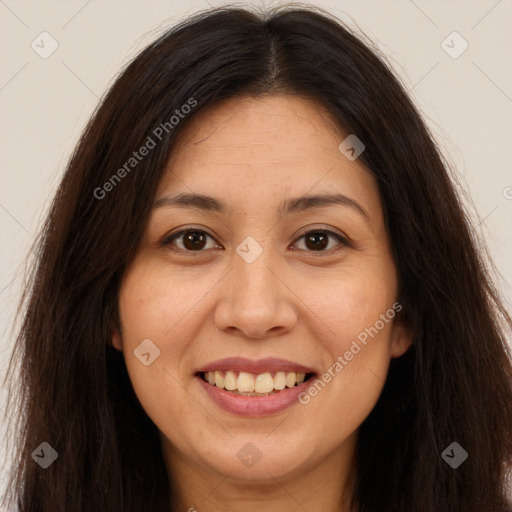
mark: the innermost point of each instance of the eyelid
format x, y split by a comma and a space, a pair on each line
324, 228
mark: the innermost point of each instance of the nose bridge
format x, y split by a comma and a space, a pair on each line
257, 300
252, 266
256, 282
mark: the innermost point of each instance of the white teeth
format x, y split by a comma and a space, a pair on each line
291, 379
219, 379
264, 383
230, 381
246, 382
253, 385
280, 380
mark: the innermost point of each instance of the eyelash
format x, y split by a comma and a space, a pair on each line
168, 239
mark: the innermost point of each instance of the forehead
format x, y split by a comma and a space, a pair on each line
251, 149
278, 123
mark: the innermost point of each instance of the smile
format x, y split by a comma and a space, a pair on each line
277, 390
249, 384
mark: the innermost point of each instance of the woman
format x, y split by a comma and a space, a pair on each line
257, 290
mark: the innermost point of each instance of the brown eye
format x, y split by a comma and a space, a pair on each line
318, 240
192, 240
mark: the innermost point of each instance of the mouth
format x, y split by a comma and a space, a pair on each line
254, 384
247, 387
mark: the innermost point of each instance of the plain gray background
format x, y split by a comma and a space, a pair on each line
465, 96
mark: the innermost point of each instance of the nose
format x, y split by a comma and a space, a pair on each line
255, 300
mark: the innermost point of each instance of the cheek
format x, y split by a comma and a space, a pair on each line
355, 316
150, 309
352, 303
155, 302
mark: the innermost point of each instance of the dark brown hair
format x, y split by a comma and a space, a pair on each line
72, 389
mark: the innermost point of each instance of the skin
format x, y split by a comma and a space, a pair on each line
294, 302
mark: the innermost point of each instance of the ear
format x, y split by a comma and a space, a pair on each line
116, 340
401, 339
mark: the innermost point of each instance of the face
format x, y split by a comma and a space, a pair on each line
278, 287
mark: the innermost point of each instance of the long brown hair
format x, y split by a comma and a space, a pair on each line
71, 389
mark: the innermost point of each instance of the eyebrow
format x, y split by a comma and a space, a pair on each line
298, 204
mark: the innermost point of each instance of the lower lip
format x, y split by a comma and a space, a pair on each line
254, 405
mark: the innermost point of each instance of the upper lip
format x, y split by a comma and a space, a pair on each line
241, 364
